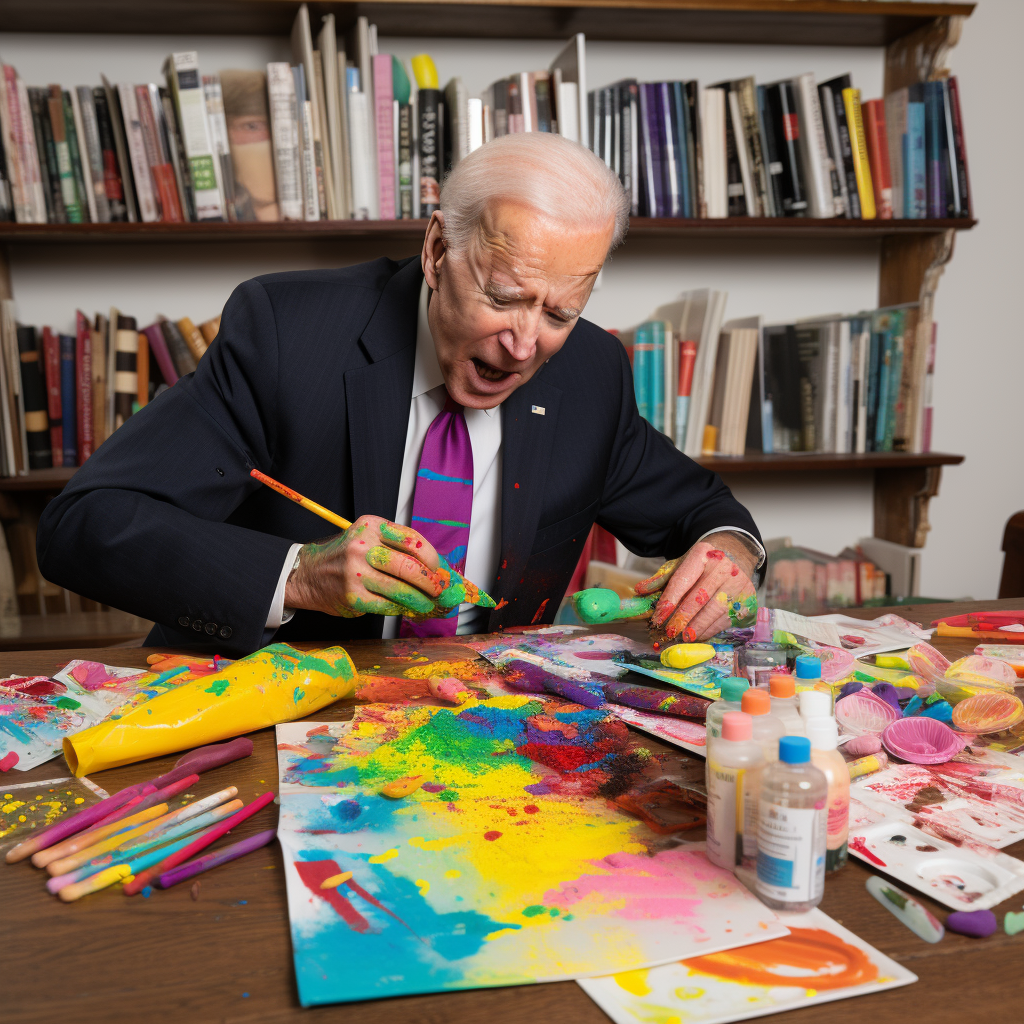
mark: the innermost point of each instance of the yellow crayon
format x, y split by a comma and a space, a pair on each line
94, 883
76, 860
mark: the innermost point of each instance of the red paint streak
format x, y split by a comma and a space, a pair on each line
656, 645
517, 487
735, 571
701, 597
491, 836
689, 634
540, 611
501, 604
596, 655
504, 563
320, 730
857, 843
715, 554
312, 873
531, 809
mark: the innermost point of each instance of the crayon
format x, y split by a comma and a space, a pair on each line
9, 761
866, 765
212, 860
84, 840
138, 883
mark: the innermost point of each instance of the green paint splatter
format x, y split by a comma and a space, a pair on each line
534, 911
68, 703
298, 694
218, 686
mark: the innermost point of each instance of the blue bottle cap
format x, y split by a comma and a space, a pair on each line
734, 688
794, 749
808, 667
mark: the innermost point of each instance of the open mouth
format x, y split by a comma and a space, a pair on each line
489, 373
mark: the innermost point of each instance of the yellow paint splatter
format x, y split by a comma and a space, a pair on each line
13, 806
689, 992
433, 844
423, 885
464, 670
335, 880
402, 787
21, 817
383, 858
634, 982
79, 799
453, 873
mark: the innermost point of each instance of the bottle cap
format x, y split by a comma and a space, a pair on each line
808, 667
794, 749
823, 733
756, 702
734, 688
781, 685
814, 704
736, 726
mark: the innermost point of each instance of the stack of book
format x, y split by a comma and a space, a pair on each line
791, 148
62, 395
835, 384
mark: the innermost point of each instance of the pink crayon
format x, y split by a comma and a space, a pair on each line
9, 761
212, 860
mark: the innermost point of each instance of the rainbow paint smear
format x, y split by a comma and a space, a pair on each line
505, 864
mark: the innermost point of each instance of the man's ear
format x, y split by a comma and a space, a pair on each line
433, 250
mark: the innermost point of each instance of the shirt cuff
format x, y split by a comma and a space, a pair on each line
746, 533
279, 615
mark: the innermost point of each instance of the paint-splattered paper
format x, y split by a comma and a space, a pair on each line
507, 865
818, 962
594, 653
26, 806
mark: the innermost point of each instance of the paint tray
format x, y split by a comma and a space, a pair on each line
664, 807
960, 876
921, 740
862, 712
988, 712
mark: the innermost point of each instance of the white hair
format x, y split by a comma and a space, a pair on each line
547, 173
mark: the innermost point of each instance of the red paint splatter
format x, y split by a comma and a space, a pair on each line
857, 843
531, 809
504, 563
491, 836
689, 634
501, 604
656, 645
701, 597
312, 873
517, 487
715, 554
540, 611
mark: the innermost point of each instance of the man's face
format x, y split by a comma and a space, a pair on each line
506, 304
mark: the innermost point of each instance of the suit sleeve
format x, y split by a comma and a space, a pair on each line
656, 500
143, 524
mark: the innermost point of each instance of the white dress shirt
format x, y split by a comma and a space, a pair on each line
484, 549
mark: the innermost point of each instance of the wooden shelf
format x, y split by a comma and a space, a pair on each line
788, 22
39, 480
362, 230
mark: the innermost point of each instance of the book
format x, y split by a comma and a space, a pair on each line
12, 407
959, 147
65, 170
99, 206
877, 138
126, 378
896, 132
161, 356
182, 73
181, 355
193, 338
68, 400
915, 160
9, 115
383, 119
113, 187
746, 99
99, 332
861, 163
656, 373
75, 155
158, 157
83, 390
334, 114
703, 323
209, 329
713, 149
33, 389
124, 167
404, 145
953, 196
142, 177
173, 185
838, 131
643, 357
569, 68
141, 373
179, 161
927, 400
781, 103
39, 104
51, 363
247, 117
307, 147
742, 200
321, 148
813, 149
23, 124
429, 139
285, 133
936, 155
217, 121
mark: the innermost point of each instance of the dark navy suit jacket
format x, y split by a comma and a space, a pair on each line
310, 381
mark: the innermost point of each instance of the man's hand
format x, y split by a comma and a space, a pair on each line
706, 590
373, 568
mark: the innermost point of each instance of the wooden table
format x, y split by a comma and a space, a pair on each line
227, 956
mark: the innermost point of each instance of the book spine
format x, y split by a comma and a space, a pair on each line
158, 347
916, 163
927, 411
405, 159
960, 148
642, 355
68, 396
835, 149
813, 148
141, 372
787, 132
307, 156
9, 115
772, 154
141, 174
670, 151
33, 389
648, 195
285, 132
62, 153
182, 72
93, 153
33, 158
935, 133
214, 96
430, 176
747, 98
861, 164
166, 185
656, 371
74, 151
846, 144
878, 157
179, 161
949, 156
181, 354
896, 130
696, 137
736, 192
383, 98
681, 116
126, 377
99, 381
193, 338
51, 361
111, 177
82, 367
49, 172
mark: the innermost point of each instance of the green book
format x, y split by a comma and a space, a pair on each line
68, 188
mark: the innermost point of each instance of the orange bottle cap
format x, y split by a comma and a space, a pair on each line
756, 702
782, 686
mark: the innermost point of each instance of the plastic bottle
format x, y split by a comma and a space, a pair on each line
791, 833
784, 703
824, 736
758, 660
733, 781
814, 704
732, 691
767, 728
807, 671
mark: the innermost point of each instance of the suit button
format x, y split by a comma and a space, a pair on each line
197, 625
211, 628
183, 621
225, 632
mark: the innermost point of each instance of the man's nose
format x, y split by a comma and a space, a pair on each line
520, 341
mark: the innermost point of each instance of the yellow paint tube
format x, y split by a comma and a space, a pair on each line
276, 684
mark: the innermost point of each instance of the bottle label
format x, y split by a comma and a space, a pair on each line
791, 852
725, 814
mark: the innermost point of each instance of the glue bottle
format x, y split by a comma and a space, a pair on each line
791, 832
784, 703
807, 670
767, 729
814, 704
732, 691
824, 736
733, 782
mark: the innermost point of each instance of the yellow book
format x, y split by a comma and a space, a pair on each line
197, 343
858, 143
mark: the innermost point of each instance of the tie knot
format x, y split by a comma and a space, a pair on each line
450, 405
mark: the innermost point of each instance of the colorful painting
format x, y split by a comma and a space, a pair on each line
26, 806
820, 961
594, 653
109, 685
429, 849
680, 732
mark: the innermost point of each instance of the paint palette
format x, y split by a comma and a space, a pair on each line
962, 877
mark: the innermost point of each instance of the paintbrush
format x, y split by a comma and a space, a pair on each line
474, 595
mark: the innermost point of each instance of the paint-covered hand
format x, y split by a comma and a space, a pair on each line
374, 568
706, 590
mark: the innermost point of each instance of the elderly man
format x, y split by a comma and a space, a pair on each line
454, 402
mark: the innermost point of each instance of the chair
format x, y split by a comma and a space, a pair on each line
1012, 582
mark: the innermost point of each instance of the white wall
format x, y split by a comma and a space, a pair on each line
779, 278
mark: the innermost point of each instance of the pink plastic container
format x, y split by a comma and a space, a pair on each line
922, 740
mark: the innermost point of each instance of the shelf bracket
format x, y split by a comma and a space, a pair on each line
901, 503
920, 56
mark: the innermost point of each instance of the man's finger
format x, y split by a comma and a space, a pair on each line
716, 608
405, 567
722, 622
404, 538
659, 580
398, 592
689, 572
698, 596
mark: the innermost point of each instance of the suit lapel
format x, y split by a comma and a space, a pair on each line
527, 440
377, 396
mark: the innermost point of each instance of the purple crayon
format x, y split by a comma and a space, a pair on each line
649, 698
212, 860
526, 676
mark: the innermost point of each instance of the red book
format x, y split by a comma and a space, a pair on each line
873, 112
383, 97
83, 375
51, 360
159, 167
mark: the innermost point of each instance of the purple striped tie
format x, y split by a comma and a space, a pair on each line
443, 503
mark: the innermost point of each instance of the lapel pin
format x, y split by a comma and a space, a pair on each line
538, 410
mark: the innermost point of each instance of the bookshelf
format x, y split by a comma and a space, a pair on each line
915, 37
